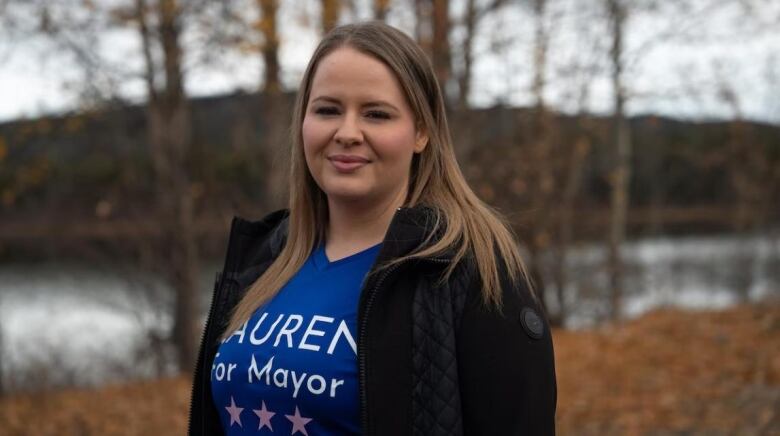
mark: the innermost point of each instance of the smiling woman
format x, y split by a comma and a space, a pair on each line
359, 133
359, 136
385, 240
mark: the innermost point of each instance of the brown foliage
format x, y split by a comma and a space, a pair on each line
154, 407
669, 372
673, 372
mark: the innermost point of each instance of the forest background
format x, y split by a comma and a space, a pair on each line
628, 190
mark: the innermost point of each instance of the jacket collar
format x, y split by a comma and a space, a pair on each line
409, 228
253, 244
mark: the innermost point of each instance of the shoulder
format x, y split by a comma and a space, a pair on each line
506, 359
254, 243
263, 226
519, 311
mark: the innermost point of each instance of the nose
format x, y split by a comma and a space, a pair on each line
348, 132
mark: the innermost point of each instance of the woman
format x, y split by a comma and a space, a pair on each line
388, 299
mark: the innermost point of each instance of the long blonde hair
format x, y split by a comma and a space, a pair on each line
469, 225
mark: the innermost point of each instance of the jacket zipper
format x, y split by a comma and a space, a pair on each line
201, 355
363, 357
217, 296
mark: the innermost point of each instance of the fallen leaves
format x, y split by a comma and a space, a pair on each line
670, 372
673, 372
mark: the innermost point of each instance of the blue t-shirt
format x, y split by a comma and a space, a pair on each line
292, 368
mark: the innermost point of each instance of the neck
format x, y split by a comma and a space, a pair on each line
355, 226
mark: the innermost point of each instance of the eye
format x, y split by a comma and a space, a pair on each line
378, 115
326, 110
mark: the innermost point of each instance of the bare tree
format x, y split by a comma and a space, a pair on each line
432, 32
275, 104
684, 19
464, 78
753, 182
169, 133
576, 75
621, 169
75, 28
541, 43
440, 44
270, 50
472, 16
543, 169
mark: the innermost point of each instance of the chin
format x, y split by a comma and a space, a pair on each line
348, 195
355, 191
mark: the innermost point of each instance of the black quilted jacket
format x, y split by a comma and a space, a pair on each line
433, 360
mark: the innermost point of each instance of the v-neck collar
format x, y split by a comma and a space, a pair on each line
321, 261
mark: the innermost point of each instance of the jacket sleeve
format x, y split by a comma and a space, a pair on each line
506, 366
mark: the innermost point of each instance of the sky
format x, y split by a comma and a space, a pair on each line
668, 77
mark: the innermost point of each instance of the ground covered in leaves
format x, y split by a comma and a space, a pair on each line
669, 372
673, 373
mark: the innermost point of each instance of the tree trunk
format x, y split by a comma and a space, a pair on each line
442, 62
745, 178
330, 14
566, 223
464, 80
472, 16
273, 110
171, 120
169, 133
543, 186
380, 9
268, 9
621, 173
423, 32
540, 55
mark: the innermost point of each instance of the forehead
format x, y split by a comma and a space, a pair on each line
348, 73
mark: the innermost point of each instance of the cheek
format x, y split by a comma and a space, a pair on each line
313, 135
399, 144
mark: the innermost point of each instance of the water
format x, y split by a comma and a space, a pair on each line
65, 324
69, 323
690, 272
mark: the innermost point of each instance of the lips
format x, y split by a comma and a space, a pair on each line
345, 163
346, 158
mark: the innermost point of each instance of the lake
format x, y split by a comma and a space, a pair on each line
69, 323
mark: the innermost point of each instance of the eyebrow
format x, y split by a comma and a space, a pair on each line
372, 103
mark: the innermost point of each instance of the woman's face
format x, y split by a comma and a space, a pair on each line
359, 132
